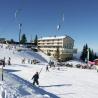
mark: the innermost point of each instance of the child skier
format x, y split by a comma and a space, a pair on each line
35, 78
47, 68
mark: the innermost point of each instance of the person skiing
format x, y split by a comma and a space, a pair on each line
35, 78
47, 68
4, 62
9, 61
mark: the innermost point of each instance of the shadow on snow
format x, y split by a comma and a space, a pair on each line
57, 85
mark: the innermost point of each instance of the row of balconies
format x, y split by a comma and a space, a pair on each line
50, 42
62, 50
50, 45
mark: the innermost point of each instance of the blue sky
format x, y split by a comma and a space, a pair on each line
41, 17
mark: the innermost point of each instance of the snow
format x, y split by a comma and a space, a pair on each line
55, 37
63, 83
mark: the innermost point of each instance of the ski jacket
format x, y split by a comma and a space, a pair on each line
36, 76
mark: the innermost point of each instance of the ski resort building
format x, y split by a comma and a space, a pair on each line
65, 45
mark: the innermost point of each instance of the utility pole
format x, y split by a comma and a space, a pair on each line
20, 25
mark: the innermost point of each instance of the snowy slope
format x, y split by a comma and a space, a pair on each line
13, 53
63, 83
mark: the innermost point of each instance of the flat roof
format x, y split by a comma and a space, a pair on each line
52, 37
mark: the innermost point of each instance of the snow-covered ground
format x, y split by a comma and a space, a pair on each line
63, 83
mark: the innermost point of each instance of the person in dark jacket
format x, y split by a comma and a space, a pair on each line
9, 61
47, 68
35, 78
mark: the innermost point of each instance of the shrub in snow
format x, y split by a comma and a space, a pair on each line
69, 65
78, 66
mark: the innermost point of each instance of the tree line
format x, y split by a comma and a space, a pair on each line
84, 54
23, 40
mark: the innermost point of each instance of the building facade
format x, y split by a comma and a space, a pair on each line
65, 45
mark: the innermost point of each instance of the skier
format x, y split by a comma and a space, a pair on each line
4, 62
23, 61
28, 61
50, 63
35, 78
9, 61
47, 68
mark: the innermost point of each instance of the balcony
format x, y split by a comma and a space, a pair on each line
64, 50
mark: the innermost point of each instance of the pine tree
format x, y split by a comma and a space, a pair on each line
36, 40
83, 56
84, 53
90, 55
95, 56
12, 41
57, 54
23, 39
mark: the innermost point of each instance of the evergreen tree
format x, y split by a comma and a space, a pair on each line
48, 53
86, 50
83, 56
23, 39
95, 56
90, 55
12, 41
57, 54
36, 40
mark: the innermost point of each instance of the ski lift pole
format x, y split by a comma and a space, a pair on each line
20, 25
40, 70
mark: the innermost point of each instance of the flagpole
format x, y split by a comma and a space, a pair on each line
20, 25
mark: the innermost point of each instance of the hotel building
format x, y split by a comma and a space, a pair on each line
65, 45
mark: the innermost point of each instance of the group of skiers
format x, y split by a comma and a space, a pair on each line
29, 61
4, 62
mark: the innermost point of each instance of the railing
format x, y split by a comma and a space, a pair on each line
67, 50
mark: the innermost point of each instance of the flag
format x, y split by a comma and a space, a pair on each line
61, 23
17, 12
63, 18
58, 27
